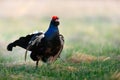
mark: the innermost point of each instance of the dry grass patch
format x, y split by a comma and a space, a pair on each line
116, 75
71, 68
81, 57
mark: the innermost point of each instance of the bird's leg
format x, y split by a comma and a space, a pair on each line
39, 58
37, 64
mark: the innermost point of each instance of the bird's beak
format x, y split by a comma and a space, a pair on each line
57, 20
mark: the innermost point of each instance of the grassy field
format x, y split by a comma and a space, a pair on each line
91, 52
92, 39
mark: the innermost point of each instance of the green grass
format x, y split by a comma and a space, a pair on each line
96, 39
97, 70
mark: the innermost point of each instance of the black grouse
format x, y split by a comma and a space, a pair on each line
46, 46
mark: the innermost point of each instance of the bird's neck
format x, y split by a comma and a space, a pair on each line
51, 32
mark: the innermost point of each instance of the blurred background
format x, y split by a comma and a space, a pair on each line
89, 25
92, 39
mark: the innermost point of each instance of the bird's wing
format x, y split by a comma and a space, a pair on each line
61, 45
59, 49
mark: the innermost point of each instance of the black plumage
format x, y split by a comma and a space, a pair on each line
43, 46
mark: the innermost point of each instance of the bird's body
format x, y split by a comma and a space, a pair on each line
43, 46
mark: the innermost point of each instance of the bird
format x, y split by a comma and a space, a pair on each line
44, 46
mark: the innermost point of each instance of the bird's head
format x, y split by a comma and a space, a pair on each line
55, 20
